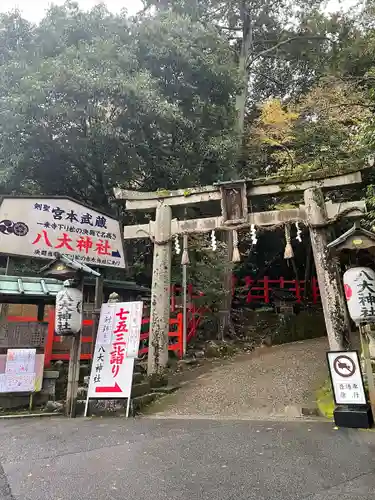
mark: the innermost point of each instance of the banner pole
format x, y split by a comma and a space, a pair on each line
87, 403
130, 393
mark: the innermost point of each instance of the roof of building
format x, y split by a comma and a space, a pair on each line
70, 263
119, 285
355, 231
35, 288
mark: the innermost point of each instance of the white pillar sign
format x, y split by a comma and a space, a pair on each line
359, 286
346, 378
117, 346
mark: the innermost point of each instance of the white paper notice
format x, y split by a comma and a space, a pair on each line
2, 382
105, 328
24, 382
20, 361
19, 373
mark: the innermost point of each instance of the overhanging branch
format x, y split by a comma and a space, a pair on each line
281, 43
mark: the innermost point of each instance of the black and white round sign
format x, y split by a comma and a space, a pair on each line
344, 366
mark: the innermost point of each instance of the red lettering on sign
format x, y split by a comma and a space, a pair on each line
84, 244
115, 370
117, 357
103, 248
122, 314
65, 241
42, 235
118, 347
121, 327
115, 388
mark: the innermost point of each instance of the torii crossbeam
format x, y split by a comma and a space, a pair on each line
314, 213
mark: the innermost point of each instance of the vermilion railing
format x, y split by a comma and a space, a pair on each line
175, 335
260, 290
247, 289
50, 354
195, 313
253, 291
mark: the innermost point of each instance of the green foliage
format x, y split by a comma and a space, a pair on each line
91, 100
320, 131
205, 271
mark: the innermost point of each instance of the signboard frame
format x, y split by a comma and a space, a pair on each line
113, 219
358, 366
116, 348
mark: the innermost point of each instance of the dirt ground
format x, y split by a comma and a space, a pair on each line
274, 382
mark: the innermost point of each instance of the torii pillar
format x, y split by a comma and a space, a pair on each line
327, 270
161, 291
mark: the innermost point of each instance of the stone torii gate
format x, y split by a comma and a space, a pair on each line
233, 197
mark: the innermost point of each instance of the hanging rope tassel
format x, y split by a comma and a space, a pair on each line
185, 253
288, 252
236, 254
177, 245
213, 241
253, 234
299, 233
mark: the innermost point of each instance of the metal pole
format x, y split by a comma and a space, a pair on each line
99, 284
184, 305
8, 269
74, 369
127, 408
130, 392
87, 402
73, 375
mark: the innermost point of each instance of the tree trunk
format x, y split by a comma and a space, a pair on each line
247, 40
246, 46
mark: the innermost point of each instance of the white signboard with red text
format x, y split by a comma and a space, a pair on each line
44, 227
116, 347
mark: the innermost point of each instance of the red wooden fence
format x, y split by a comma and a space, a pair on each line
195, 313
175, 336
250, 290
260, 290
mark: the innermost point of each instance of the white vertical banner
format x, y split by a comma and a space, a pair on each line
116, 347
135, 323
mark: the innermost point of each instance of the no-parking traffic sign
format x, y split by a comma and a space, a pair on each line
346, 378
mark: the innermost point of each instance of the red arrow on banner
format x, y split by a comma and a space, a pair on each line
115, 388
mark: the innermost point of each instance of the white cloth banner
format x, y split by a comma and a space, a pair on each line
117, 345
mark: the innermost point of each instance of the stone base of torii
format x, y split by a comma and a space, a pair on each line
233, 197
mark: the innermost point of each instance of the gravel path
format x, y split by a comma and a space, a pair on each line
270, 382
